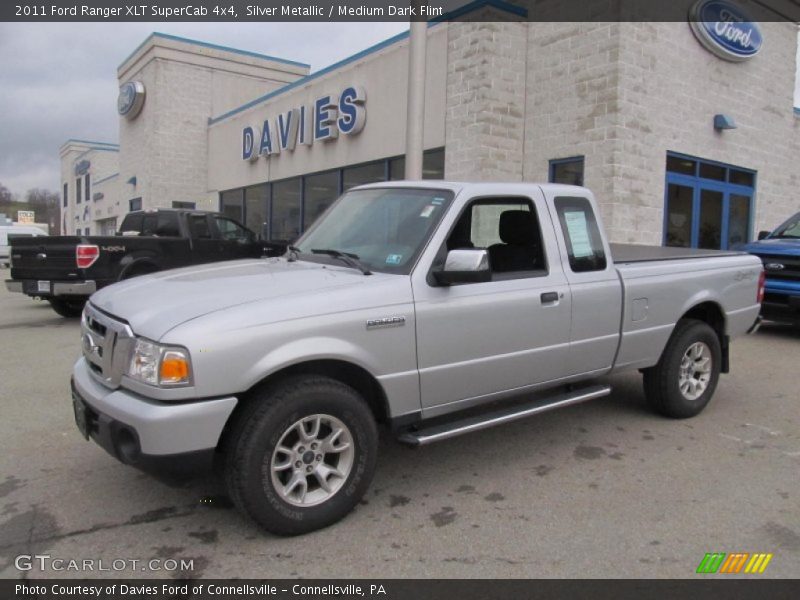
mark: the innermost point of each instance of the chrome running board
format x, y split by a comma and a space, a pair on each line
444, 431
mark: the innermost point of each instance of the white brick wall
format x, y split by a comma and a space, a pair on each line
485, 101
166, 146
623, 94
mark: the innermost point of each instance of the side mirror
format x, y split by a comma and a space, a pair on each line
763, 235
464, 266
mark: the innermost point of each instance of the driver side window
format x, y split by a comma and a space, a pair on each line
508, 229
232, 231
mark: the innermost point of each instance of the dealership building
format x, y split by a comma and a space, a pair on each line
685, 132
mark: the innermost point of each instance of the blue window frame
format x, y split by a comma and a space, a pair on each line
566, 170
707, 204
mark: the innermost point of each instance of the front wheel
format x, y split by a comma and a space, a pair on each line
69, 309
684, 380
302, 455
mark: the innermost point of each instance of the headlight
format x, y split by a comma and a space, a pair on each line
160, 365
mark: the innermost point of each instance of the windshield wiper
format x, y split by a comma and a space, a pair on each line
292, 251
346, 257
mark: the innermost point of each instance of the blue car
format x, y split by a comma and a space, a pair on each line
779, 250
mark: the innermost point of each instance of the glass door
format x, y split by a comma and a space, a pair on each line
709, 222
739, 218
678, 218
707, 204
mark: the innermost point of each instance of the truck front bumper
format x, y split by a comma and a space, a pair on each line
32, 287
172, 437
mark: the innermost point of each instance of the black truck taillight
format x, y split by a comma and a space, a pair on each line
86, 255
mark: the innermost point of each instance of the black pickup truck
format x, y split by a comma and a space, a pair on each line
66, 270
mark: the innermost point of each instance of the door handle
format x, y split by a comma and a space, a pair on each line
549, 297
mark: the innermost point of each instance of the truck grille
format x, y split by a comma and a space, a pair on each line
107, 344
789, 266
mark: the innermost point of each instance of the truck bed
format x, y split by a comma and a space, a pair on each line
636, 253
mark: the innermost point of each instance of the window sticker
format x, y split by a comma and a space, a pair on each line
427, 211
437, 201
394, 259
578, 230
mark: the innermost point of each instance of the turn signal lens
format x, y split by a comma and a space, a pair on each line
174, 368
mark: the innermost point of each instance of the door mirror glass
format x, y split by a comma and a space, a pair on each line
763, 235
464, 266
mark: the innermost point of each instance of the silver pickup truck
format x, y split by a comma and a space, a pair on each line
433, 309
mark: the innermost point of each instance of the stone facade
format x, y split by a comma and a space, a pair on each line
165, 148
484, 120
504, 98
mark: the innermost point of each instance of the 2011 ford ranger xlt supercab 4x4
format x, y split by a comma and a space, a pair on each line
405, 304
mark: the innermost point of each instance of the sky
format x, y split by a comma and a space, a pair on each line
58, 80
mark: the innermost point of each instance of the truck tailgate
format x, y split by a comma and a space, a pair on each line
44, 257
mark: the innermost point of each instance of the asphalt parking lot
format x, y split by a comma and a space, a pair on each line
604, 489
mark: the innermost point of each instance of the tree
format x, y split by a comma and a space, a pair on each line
41, 198
5, 195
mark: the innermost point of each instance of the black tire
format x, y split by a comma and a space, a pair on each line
662, 382
67, 308
258, 430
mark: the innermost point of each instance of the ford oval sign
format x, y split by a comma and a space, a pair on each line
130, 99
725, 29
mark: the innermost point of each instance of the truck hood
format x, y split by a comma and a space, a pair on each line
782, 247
154, 304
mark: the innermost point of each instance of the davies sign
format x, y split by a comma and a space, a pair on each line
725, 29
323, 120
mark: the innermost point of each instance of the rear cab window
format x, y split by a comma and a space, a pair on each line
581, 234
132, 225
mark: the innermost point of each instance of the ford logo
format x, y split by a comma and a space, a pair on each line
725, 29
774, 267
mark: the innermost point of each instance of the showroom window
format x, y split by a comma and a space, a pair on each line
285, 225
232, 204
135, 204
78, 194
320, 191
567, 170
255, 207
66, 193
432, 166
707, 204
369, 173
86, 186
282, 210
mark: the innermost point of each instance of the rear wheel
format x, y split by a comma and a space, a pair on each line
137, 270
684, 380
69, 308
302, 455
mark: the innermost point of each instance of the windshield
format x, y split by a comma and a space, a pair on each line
385, 228
790, 229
